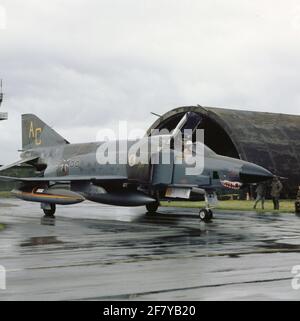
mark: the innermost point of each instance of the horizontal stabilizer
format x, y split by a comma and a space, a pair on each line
18, 163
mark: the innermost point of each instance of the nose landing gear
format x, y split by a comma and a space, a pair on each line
205, 214
211, 200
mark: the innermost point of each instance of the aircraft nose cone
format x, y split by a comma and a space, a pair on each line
251, 173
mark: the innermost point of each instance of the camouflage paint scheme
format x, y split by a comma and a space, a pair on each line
75, 165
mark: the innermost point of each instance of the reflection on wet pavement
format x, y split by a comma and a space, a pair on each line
103, 252
41, 240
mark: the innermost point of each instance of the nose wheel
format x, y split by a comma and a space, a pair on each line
205, 214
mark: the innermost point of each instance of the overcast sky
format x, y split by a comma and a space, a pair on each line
82, 65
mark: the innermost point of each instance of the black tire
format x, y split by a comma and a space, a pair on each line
51, 212
205, 215
152, 207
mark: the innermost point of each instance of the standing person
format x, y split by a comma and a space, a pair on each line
260, 195
297, 203
276, 188
298, 193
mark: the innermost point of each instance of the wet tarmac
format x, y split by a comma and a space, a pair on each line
97, 252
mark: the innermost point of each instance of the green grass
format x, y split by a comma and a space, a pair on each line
5, 195
286, 206
1, 227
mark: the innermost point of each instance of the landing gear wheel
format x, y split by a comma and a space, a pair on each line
205, 214
152, 207
50, 212
49, 218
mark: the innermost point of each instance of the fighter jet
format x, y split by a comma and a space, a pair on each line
72, 173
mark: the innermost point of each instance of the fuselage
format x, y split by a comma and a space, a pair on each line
126, 173
82, 160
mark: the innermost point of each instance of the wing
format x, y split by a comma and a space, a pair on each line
97, 179
18, 163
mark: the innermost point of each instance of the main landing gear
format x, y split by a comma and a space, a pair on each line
152, 207
49, 211
206, 214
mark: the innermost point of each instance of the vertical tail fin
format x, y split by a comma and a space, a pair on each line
35, 133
